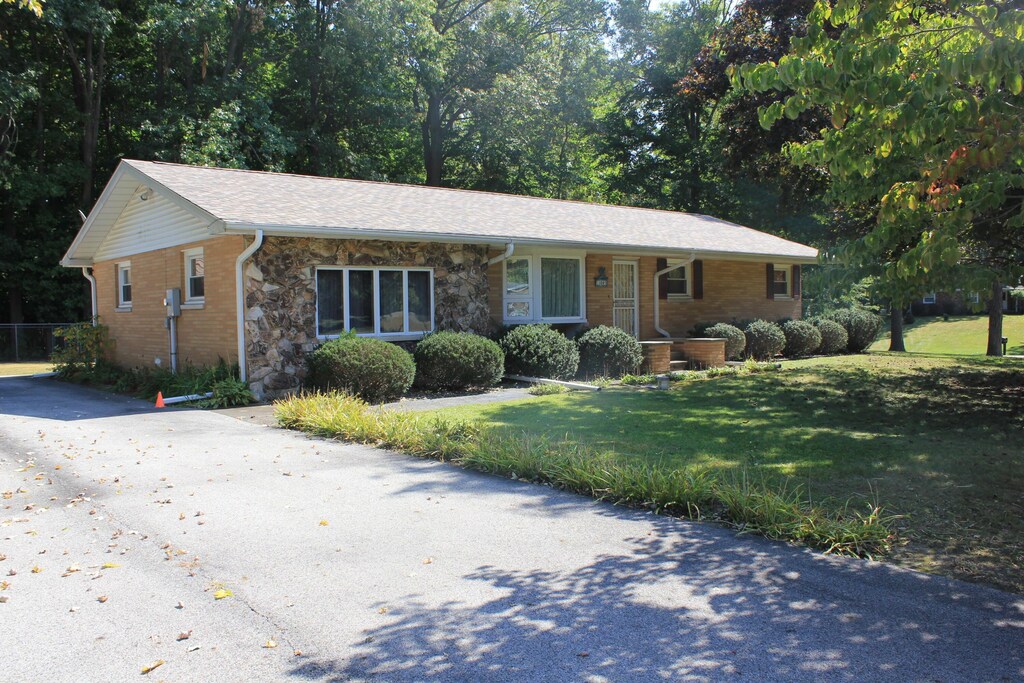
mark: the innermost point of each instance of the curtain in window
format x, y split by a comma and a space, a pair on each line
329, 301
419, 301
560, 287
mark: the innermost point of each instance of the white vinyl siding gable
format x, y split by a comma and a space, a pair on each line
150, 224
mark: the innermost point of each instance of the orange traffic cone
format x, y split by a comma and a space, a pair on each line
160, 399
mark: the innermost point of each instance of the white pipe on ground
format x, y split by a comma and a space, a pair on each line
185, 399
657, 293
240, 300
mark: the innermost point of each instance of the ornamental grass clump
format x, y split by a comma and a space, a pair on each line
539, 351
802, 338
765, 340
768, 507
735, 340
608, 352
372, 369
458, 360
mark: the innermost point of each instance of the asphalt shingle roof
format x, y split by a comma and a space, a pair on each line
254, 198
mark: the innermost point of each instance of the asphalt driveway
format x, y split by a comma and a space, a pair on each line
119, 524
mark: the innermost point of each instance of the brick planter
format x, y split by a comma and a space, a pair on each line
657, 356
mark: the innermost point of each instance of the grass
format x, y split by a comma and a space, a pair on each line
934, 439
959, 335
748, 503
10, 369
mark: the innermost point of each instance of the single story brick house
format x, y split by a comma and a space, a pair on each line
268, 265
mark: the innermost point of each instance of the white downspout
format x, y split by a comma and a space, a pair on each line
504, 256
92, 286
240, 299
657, 293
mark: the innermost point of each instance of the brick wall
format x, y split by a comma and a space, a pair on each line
733, 290
204, 334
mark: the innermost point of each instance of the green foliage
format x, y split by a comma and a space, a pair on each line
79, 348
834, 338
372, 369
775, 511
458, 360
765, 340
539, 351
802, 338
862, 327
924, 100
608, 352
638, 380
229, 392
735, 340
547, 389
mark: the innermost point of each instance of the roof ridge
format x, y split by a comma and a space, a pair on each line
456, 190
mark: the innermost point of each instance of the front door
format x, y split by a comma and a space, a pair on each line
624, 297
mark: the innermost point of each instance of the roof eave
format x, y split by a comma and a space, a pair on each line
330, 232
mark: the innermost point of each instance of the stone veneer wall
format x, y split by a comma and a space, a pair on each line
280, 303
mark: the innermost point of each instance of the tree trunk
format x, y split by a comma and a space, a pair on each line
995, 321
896, 328
433, 141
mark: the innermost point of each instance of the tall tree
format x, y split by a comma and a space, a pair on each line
925, 101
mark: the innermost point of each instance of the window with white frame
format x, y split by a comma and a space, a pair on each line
780, 282
386, 302
195, 276
678, 282
974, 297
124, 285
928, 298
544, 288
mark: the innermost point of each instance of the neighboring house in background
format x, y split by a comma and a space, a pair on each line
268, 265
946, 303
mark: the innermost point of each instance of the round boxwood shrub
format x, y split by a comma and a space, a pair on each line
608, 352
862, 327
539, 351
802, 338
764, 340
372, 369
735, 340
833, 337
458, 360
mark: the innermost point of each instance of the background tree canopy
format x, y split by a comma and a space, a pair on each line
599, 100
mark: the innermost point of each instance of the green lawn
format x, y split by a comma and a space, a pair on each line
960, 335
936, 439
9, 369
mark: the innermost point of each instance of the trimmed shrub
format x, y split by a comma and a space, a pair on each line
608, 352
833, 336
458, 360
372, 369
735, 340
539, 351
862, 327
802, 338
765, 340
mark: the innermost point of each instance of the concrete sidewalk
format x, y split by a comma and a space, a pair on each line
377, 566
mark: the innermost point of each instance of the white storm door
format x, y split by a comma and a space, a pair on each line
624, 297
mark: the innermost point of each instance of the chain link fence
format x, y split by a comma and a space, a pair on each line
28, 341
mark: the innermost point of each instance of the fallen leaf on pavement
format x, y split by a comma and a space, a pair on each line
102, 598
185, 635
222, 593
270, 644
109, 565
323, 522
37, 569
4, 598
192, 649
147, 669
297, 653
180, 605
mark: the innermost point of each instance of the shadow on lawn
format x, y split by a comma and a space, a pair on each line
696, 604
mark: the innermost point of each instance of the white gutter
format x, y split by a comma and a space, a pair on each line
504, 256
240, 299
92, 286
657, 293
